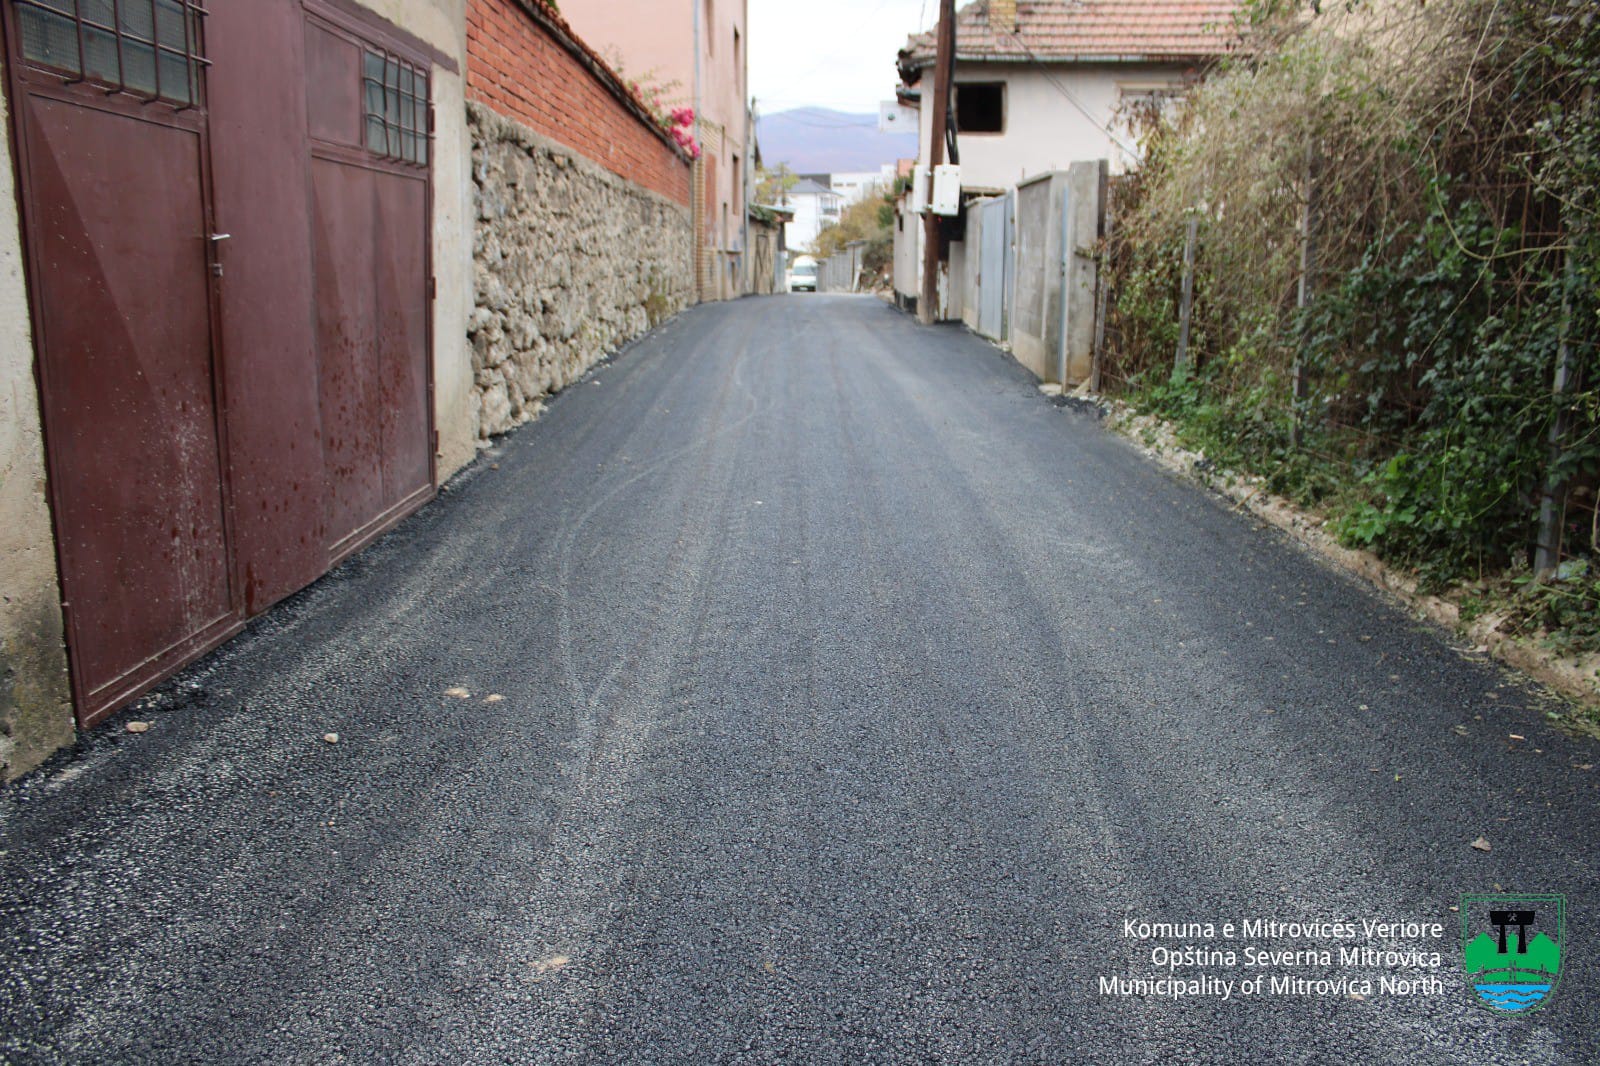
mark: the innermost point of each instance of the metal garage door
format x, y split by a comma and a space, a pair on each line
211, 448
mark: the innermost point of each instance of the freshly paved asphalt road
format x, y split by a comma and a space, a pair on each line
853, 696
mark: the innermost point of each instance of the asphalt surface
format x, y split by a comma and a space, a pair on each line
853, 695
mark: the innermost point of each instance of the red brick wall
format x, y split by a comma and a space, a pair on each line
524, 71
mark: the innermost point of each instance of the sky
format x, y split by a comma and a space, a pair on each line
837, 54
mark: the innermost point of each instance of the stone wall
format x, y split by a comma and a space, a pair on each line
570, 261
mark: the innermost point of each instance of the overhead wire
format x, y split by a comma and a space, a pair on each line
1075, 102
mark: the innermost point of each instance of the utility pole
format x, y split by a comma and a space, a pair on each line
943, 64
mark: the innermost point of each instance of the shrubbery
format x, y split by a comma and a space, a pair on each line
1449, 155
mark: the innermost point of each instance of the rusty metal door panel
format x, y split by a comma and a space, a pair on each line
367, 128
401, 257
118, 237
333, 88
269, 358
343, 217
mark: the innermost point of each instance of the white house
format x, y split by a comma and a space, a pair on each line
814, 205
1041, 84
856, 186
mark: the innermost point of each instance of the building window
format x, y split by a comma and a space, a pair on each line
981, 107
150, 48
396, 102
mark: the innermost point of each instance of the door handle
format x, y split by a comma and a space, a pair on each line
221, 236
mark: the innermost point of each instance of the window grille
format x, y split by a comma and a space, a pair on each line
149, 48
396, 104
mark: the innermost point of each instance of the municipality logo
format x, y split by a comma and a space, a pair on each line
1511, 946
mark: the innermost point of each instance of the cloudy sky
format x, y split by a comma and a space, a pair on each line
829, 53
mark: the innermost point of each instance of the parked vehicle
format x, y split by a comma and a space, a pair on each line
803, 275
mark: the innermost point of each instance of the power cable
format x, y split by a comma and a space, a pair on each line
1075, 102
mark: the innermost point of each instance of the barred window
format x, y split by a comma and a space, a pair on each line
151, 48
396, 104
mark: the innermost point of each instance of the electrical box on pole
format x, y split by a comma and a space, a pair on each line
919, 190
946, 196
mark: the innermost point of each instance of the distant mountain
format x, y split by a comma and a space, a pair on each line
814, 140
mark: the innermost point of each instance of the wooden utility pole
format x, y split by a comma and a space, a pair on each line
943, 63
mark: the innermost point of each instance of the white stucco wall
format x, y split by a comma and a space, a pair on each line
35, 698
808, 221
443, 24
907, 250
452, 267
1051, 119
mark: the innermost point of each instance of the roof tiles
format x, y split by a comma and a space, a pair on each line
1087, 30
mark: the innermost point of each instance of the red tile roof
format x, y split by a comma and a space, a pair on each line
1086, 31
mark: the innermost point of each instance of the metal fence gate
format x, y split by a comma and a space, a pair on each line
994, 268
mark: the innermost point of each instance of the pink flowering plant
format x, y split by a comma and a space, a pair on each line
678, 121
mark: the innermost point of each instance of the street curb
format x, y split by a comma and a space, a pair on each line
1577, 678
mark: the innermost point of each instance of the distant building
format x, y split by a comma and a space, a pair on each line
861, 185
814, 205
819, 199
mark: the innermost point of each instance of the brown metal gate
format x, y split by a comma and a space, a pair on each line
230, 306
369, 206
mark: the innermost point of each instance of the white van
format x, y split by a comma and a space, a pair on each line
803, 274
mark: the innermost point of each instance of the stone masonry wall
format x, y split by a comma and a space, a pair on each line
570, 262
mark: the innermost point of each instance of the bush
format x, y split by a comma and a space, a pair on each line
1445, 156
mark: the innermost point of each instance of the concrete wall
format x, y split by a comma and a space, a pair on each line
35, 698
443, 24
972, 246
570, 261
954, 306
1036, 295
1085, 209
1057, 224
907, 253
1058, 220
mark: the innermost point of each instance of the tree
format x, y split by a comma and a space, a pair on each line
870, 220
772, 186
